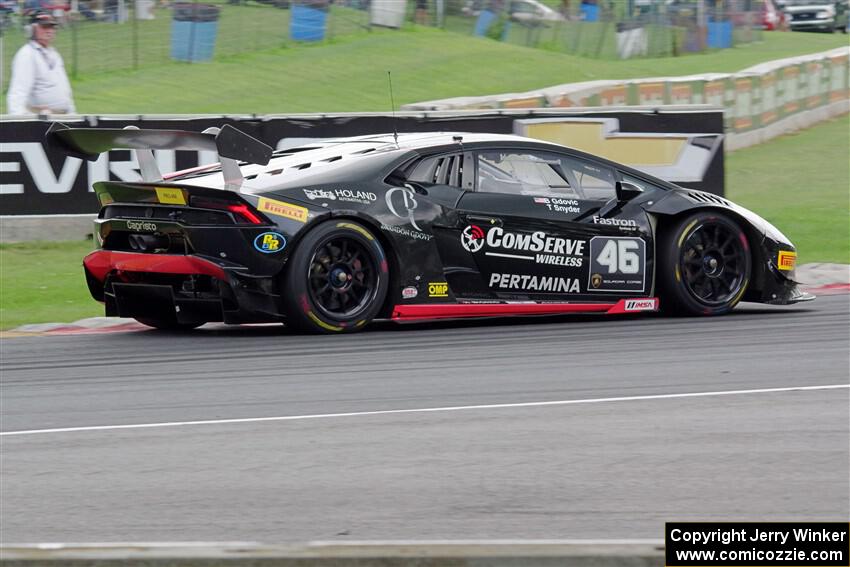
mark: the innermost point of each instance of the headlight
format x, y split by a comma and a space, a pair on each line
827, 13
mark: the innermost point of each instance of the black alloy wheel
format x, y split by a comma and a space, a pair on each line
336, 280
704, 265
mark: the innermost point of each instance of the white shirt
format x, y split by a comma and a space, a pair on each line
38, 81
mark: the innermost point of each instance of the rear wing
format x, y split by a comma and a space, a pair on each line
231, 145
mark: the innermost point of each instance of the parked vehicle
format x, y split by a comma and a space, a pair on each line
818, 15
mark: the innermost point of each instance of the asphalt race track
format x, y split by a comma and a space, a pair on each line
621, 449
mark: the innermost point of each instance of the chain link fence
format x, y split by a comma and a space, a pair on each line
108, 35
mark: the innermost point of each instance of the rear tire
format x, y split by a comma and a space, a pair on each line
704, 265
336, 281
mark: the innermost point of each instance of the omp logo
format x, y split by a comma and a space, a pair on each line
787, 260
439, 289
674, 157
641, 304
269, 242
141, 226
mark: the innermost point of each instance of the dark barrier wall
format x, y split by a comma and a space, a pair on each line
35, 180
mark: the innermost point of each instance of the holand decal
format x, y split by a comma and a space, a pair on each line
363, 197
617, 263
410, 292
170, 196
547, 249
314, 194
401, 202
550, 284
438, 289
622, 223
559, 204
641, 304
141, 226
281, 209
270, 242
787, 260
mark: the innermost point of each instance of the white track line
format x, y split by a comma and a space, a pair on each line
425, 410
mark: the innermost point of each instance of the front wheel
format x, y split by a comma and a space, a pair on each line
336, 280
704, 265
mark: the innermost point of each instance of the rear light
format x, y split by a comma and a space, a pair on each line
242, 213
246, 213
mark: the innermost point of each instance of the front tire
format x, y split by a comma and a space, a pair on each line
336, 280
704, 265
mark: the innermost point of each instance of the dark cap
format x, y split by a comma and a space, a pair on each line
42, 18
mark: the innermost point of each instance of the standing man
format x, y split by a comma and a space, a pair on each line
39, 84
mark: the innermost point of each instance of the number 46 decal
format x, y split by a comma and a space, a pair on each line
617, 264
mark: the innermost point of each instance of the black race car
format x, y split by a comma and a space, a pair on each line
330, 236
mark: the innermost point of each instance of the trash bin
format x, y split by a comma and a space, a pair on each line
719, 34
308, 20
193, 31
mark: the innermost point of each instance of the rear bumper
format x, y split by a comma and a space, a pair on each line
185, 288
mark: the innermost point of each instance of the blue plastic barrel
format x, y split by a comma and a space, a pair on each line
719, 34
194, 28
307, 23
590, 12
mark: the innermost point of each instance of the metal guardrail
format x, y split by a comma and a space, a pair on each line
502, 553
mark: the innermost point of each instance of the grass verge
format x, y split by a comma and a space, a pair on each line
798, 182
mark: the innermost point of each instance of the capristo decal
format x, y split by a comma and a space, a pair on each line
559, 204
548, 249
549, 284
617, 263
270, 242
141, 225
362, 197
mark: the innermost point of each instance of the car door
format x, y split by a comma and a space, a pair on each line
541, 225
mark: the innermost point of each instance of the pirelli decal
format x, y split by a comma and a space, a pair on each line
787, 260
281, 209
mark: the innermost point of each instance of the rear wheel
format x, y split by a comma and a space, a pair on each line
336, 280
704, 265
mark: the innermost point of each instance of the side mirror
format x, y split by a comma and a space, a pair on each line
626, 191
